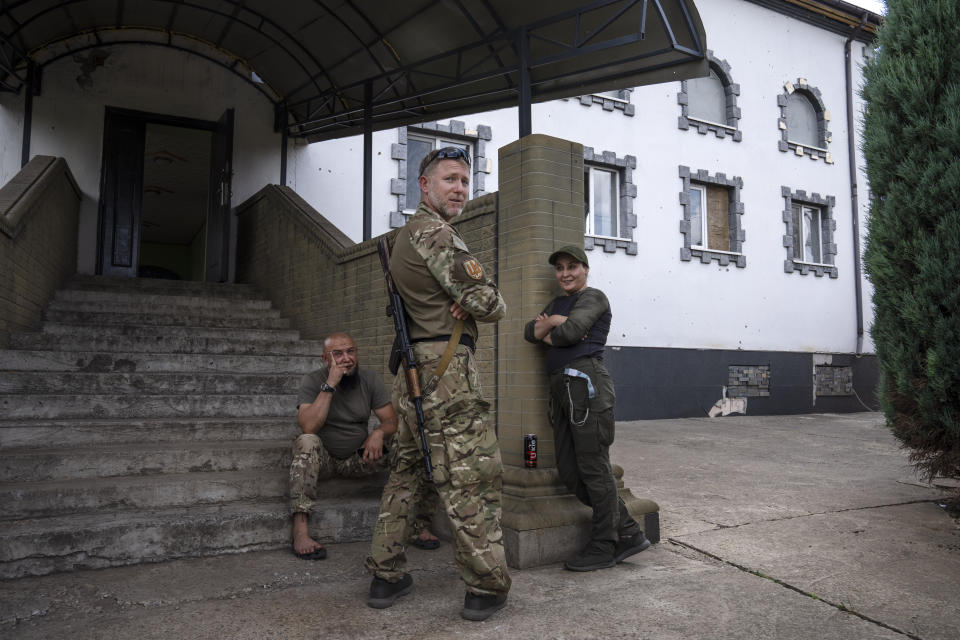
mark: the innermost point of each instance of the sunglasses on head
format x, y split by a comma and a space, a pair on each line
446, 153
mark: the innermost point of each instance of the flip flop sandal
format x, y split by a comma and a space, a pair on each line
316, 554
426, 544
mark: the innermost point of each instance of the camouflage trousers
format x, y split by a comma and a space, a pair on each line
467, 472
312, 463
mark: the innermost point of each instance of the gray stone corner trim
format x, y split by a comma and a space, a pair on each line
731, 91
829, 248
623, 104
737, 234
812, 94
478, 138
624, 167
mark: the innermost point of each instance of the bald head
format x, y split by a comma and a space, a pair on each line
340, 349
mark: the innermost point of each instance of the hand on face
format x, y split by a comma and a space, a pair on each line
340, 356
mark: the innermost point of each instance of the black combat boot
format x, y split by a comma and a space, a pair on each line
596, 555
482, 607
627, 547
383, 593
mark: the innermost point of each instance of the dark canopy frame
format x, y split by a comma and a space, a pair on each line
356, 66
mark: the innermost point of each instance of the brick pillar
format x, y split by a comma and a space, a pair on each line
540, 210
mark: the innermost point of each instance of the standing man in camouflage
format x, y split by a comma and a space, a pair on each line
443, 285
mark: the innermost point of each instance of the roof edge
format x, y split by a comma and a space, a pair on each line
835, 16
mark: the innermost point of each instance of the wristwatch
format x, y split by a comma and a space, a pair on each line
325, 387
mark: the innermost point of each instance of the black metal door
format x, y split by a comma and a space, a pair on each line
121, 191
218, 212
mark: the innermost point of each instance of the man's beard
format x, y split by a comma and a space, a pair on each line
442, 207
350, 380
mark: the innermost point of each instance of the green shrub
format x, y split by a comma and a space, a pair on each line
912, 145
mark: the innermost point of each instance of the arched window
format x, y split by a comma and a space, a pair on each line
706, 100
803, 121
710, 103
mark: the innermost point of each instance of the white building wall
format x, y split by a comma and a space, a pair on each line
659, 300
68, 119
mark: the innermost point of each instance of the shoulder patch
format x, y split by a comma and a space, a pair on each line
466, 268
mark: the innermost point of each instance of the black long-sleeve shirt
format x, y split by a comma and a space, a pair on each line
583, 334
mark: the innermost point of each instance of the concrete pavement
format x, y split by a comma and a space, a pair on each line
773, 527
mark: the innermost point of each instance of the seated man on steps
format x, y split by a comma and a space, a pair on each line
333, 409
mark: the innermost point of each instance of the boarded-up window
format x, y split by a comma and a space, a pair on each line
718, 218
710, 217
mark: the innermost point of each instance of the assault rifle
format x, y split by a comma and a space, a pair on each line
402, 350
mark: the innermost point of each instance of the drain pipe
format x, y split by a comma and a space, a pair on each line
854, 201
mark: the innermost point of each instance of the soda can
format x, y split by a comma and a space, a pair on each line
530, 450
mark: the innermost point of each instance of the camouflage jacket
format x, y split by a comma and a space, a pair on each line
432, 267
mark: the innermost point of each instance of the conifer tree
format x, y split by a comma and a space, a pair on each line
912, 147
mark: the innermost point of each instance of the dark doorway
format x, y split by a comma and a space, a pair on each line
165, 196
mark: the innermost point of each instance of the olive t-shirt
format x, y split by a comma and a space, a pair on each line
346, 425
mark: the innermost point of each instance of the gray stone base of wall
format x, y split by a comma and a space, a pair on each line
544, 524
655, 383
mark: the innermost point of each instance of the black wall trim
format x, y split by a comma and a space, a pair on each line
653, 383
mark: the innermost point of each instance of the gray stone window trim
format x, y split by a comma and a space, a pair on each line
829, 248
479, 164
737, 235
628, 193
730, 89
622, 103
823, 121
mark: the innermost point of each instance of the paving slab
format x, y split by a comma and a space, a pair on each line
663, 594
708, 473
897, 565
790, 527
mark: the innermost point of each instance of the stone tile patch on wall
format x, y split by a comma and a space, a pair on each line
479, 164
628, 193
833, 381
823, 119
738, 235
748, 381
732, 112
829, 246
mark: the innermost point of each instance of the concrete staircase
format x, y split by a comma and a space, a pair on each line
153, 419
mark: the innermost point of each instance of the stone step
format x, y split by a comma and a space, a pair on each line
146, 305
87, 433
61, 406
94, 362
122, 299
56, 498
45, 382
187, 319
164, 344
155, 285
91, 541
151, 331
141, 459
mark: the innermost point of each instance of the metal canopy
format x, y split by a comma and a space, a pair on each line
321, 62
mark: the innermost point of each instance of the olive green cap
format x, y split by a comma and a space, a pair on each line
571, 250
